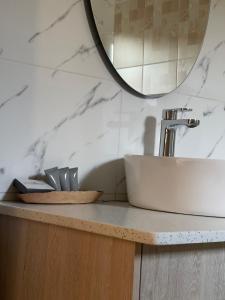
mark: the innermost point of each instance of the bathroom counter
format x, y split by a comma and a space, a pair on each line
120, 220
136, 253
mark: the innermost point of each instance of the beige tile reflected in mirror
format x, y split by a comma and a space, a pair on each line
133, 77
104, 14
128, 33
159, 47
161, 32
159, 39
128, 50
160, 78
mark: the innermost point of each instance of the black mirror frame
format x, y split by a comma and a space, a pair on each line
105, 58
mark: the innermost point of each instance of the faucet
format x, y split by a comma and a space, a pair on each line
169, 125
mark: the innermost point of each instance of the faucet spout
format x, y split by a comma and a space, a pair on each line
190, 123
169, 125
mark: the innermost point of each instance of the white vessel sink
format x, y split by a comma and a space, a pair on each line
181, 185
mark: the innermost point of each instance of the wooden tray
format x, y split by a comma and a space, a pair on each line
61, 197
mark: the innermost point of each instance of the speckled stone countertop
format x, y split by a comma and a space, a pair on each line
123, 221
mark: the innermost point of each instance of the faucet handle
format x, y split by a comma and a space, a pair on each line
171, 114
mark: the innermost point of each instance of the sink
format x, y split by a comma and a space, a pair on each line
180, 185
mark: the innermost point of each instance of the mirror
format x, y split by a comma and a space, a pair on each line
150, 46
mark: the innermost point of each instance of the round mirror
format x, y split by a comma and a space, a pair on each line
150, 46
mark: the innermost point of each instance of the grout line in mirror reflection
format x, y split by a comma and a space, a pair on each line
155, 63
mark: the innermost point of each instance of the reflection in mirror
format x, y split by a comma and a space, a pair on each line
152, 44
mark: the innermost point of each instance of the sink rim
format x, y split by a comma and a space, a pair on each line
175, 158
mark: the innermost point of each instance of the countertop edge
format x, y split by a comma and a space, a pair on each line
105, 229
150, 237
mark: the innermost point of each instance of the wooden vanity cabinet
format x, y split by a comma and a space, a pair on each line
40, 261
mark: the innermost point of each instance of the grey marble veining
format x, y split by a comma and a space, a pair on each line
38, 151
205, 62
89, 103
100, 136
89, 143
216, 145
55, 22
209, 111
38, 148
13, 97
83, 50
72, 155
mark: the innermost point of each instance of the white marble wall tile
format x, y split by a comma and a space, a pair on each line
66, 120
48, 33
202, 141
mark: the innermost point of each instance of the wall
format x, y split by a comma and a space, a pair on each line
60, 106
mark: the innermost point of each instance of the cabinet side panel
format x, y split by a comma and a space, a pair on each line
137, 272
194, 272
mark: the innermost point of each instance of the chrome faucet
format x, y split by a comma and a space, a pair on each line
169, 125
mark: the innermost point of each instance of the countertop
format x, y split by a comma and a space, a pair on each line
120, 220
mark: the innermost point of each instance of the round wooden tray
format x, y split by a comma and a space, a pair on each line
61, 197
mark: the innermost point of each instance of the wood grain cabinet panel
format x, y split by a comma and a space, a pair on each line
194, 272
45, 262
